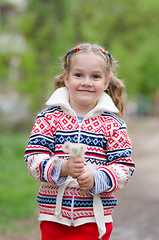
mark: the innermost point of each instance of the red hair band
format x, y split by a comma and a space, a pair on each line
102, 50
79, 48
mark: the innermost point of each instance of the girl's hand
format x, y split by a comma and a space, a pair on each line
86, 180
73, 167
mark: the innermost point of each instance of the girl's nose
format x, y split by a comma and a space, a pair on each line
87, 81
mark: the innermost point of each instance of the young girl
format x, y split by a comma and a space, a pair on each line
76, 195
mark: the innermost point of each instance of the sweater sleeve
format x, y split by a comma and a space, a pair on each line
39, 155
120, 166
102, 182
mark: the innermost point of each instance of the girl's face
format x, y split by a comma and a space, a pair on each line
86, 81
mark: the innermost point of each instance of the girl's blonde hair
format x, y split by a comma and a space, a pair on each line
116, 88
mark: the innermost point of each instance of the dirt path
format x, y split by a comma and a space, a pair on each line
137, 214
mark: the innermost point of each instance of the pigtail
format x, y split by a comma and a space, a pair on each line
66, 61
59, 81
116, 90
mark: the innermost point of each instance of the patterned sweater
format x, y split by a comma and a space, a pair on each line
108, 151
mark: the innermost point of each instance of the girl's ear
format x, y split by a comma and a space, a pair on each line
65, 78
108, 80
107, 83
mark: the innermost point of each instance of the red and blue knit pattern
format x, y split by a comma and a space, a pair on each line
108, 149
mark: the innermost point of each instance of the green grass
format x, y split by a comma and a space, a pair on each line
18, 189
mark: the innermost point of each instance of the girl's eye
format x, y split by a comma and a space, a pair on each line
96, 76
78, 75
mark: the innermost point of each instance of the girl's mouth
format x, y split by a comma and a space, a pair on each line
86, 91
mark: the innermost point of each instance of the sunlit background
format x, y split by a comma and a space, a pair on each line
34, 35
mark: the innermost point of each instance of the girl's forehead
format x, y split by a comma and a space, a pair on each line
87, 57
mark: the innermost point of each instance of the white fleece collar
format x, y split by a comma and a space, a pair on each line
61, 98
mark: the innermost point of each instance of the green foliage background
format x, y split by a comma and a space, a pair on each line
127, 28
18, 189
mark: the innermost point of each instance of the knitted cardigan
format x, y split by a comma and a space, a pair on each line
108, 150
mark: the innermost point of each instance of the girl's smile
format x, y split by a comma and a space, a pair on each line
86, 81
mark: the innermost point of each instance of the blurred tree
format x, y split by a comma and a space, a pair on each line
41, 25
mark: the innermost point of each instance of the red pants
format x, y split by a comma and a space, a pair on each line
56, 231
